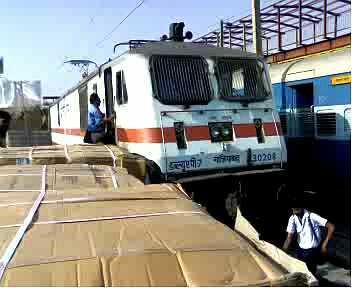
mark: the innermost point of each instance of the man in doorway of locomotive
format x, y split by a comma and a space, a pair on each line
311, 246
96, 119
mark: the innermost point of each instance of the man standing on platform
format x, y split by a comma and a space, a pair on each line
311, 245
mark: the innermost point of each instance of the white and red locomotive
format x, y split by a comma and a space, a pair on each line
192, 110
187, 107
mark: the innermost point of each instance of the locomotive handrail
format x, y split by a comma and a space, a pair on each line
211, 110
277, 133
227, 174
134, 43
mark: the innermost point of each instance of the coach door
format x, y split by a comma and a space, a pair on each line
303, 104
303, 146
109, 102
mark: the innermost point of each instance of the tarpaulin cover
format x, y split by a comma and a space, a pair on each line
92, 230
81, 153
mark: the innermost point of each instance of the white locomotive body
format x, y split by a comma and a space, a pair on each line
190, 108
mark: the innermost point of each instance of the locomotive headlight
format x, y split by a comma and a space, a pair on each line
226, 131
215, 132
221, 131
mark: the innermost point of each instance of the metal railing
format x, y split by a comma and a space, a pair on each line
286, 24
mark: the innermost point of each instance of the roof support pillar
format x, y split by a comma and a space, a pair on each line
325, 19
300, 22
221, 33
279, 40
244, 37
257, 35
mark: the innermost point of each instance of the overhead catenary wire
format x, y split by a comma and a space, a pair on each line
92, 21
140, 3
107, 36
80, 29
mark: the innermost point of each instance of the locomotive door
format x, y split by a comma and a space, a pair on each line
83, 107
109, 105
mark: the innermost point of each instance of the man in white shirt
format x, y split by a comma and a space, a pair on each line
308, 225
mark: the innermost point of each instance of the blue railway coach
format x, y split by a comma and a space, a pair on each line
313, 97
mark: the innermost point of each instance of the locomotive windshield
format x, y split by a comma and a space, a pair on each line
180, 80
242, 79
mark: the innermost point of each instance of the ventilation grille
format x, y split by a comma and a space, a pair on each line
180, 80
305, 123
326, 124
347, 121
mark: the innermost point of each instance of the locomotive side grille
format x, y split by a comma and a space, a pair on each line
326, 124
180, 80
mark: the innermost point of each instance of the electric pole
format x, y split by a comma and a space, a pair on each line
222, 33
1, 65
257, 34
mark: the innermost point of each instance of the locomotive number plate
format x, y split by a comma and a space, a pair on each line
264, 156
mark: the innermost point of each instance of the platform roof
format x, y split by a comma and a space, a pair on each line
286, 24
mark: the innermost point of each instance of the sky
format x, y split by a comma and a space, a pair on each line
37, 36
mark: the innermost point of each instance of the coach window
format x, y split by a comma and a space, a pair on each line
95, 88
121, 89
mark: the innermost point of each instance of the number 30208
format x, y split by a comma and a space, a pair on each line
263, 157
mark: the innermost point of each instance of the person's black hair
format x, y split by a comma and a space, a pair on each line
296, 201
93, 98
293, 195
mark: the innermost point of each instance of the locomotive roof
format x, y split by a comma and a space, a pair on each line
168, 48
187, 48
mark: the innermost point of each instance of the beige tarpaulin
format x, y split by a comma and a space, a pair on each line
111, 155
291, 264
99, 226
